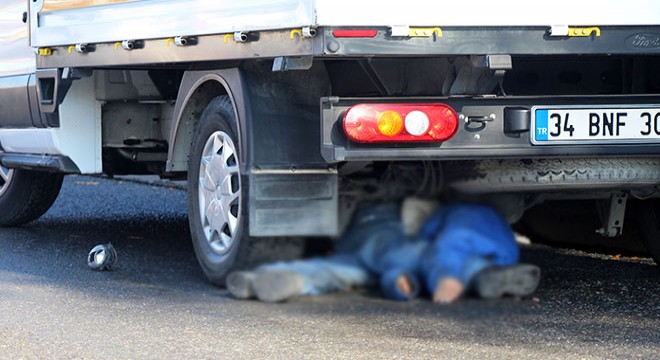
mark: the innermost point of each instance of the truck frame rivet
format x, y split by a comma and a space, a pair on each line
308, 32
81, 48
128, 44
180, 41
240, 37
333, 46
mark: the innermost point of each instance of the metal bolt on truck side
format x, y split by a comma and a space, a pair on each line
283, 114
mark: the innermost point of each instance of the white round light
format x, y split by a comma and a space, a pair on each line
417, 123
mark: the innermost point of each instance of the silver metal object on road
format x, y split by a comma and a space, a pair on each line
102, 257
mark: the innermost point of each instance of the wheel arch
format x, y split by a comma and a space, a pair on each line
197, 89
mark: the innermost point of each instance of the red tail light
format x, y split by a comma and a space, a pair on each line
399, 123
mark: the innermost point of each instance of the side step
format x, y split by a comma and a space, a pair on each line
50, 163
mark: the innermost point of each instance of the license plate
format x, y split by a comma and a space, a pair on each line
602, 124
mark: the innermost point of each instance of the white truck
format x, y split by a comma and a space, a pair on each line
283, 114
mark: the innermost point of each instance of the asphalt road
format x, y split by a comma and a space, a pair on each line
158, 305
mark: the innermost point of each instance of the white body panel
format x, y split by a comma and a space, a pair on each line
488, 12
148, 19
79, 134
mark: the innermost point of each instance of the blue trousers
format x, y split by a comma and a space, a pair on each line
324, 275
343, 272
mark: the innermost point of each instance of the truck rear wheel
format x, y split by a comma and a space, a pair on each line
217, 200
26, 195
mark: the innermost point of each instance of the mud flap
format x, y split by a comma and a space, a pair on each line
293, 202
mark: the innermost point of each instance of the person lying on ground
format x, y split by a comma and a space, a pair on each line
377, 249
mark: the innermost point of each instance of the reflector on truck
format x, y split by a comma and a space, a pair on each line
382, 123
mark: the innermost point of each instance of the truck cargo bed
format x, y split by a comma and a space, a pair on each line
76, 21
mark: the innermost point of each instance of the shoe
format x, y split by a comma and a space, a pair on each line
515, 280
240, 284
278, 285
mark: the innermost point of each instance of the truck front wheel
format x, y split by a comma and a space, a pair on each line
217, 200
26, 195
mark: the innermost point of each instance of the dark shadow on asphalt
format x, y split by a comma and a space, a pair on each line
581, 299
147, 225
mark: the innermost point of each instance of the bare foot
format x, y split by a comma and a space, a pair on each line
447, 291
403, 285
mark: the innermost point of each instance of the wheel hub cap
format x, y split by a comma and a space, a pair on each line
219, 192
5, 177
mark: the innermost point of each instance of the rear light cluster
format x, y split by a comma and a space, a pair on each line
400, 123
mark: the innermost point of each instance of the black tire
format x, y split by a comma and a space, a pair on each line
26, 195
225, 245
647, 215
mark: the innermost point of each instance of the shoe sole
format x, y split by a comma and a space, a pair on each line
278, 285
240, 284
516, 280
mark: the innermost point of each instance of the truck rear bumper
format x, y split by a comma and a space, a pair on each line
507, 136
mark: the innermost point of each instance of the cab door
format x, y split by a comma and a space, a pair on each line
17, 68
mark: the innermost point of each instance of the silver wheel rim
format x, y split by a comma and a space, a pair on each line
5, 178
219, 191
